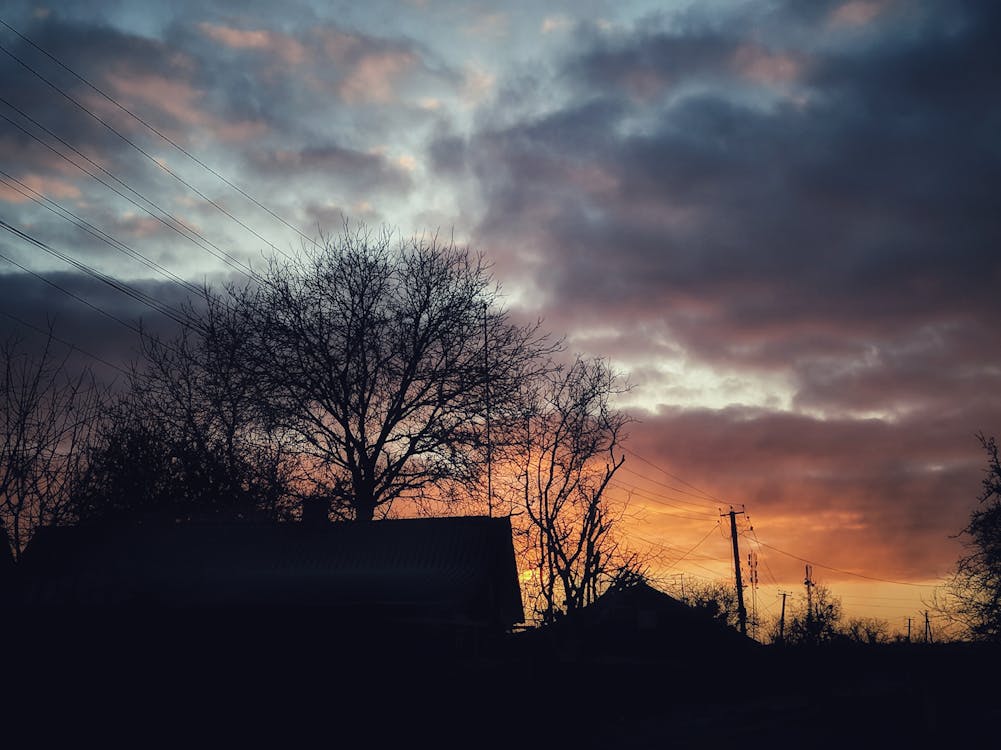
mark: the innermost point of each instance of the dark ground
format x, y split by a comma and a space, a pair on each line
191, 679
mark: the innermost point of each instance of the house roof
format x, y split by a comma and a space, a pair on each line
640, 621
448, 568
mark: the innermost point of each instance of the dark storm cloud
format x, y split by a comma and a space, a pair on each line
804, 203
364, 171
102, 331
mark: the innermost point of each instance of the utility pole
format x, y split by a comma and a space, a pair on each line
927, 628
752, 576
486, 384
782, 620
741, 612
681, 578
908, 629
809, 583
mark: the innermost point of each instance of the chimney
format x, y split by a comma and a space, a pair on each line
315, 511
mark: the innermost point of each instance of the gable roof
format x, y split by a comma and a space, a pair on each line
639, 622
459, 569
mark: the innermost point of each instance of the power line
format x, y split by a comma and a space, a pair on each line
86, 353
701, 492
694, 547
659, 500
69, 293
81, 223
670, 487
189, 233
155, 130
673, 550
119, 286
666, 496
846, 572
159, 164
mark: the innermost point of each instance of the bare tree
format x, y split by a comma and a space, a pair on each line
867, 630
816, 621
716, 598
378, 364
971, 599
46, 416
571, 446
187, 439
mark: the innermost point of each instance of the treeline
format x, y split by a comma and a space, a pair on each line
821, 620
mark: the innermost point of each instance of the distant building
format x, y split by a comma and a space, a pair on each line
637, 624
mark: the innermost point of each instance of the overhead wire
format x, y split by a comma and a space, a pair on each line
706, 501
149, 157
70, 293
661, 469
110, 281
157, 131
70, 344
702, 505
659, 501
846, 572
694, 547
189, 233
81, 223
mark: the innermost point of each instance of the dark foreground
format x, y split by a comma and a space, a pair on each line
201, 679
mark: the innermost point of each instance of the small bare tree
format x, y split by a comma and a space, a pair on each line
867, 630
717, 599
187, 440
46, 416
571, 447
816, 621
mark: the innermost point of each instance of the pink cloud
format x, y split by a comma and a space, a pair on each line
762, 66
368, 69
180, 100
288, 49
858, 12
374, 76
51, 187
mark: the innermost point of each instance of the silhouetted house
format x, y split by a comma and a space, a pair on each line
638, 624
445, 579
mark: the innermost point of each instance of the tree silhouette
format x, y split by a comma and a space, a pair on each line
716, 598
570, 448
187, 439
46, 415
815, 622
867, 630
972, 597
376, 366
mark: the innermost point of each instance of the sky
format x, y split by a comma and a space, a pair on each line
779, 220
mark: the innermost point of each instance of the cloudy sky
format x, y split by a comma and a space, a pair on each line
780, 219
